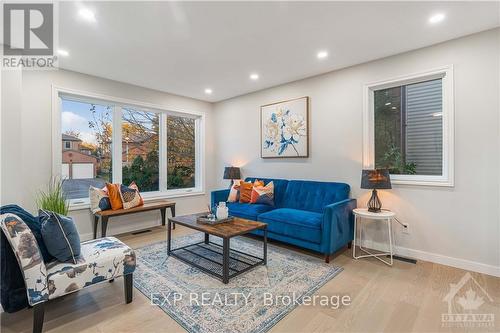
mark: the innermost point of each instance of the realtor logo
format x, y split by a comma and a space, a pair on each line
28, 29
464, 301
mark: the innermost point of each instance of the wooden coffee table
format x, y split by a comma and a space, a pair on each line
219, 261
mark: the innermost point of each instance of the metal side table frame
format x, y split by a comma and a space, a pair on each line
384, 215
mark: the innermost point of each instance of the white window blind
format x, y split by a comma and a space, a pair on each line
424, 126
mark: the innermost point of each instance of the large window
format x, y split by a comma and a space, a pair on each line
181, 152
410, 128
140, 149
108, 141
86, 130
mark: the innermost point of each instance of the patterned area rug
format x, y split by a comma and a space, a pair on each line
251, 302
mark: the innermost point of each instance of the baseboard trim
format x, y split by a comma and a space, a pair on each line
438, 258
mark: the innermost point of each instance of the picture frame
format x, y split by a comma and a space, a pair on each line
284, 129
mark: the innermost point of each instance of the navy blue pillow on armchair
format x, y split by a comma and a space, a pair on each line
60, 236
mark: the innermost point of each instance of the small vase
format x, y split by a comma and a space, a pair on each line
222, 211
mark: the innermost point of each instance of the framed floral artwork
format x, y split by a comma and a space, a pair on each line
285, 129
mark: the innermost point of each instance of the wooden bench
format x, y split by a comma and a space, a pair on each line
106, 214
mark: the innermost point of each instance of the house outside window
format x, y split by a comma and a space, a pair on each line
112, 141
408, 128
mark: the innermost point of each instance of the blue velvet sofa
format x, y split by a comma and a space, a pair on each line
309, 214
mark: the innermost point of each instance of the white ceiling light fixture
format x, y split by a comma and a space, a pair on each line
254, 76
208, 91
322, 54
437, 18
87, 14
388, 103
63, 53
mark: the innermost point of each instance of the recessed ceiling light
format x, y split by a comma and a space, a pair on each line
322, 54
87, 14
436, 18
388, 103
394, 108
208, 91
63, 53
254, 76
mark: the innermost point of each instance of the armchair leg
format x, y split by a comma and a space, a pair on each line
38, 315
129, 287
327, 258
349, 245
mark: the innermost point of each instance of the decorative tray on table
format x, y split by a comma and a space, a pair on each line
206, 220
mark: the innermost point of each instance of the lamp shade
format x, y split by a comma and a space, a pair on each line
232, 173
376, 179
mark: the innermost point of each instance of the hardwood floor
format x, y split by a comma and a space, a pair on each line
402, 298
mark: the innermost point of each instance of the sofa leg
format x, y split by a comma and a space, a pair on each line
327, 258
128, 282
38, 315
349, 245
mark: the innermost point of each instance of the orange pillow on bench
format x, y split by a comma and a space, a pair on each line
245, 192
114, 196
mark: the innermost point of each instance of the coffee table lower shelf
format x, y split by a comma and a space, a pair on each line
209, 258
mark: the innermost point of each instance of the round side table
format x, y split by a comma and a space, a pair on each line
384, 215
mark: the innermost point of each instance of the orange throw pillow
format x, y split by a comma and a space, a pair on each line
245, 192
114, 196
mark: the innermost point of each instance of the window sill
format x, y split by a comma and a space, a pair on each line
81, 204
437, 181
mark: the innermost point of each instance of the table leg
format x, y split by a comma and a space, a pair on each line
354, 240
96, 220
169, 237
265, 246
225, 260
104, 225
389, 228
162, 212
172, 211
207, 238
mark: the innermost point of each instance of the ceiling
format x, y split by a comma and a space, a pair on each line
186, 47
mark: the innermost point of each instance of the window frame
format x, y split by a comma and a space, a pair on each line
446, 74
58, 93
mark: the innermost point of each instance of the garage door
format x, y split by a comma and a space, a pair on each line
83, 170
65, 171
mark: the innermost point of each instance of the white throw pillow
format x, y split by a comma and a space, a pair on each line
235, 191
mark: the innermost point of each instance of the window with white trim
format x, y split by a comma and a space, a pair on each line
116, 142
409, 128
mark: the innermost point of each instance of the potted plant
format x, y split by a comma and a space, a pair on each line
53, 199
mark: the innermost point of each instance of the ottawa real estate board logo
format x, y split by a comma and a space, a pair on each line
28, 36
466, 301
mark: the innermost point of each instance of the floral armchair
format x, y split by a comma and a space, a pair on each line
101, 260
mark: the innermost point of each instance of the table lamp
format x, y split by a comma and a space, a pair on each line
377, 179
232, 173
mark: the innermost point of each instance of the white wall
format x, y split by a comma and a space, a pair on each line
26, 139
457, 226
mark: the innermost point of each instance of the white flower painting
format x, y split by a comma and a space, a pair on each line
284, 129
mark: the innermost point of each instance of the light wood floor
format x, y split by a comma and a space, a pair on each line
404, 298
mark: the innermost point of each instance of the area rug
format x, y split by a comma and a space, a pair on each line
251, 302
